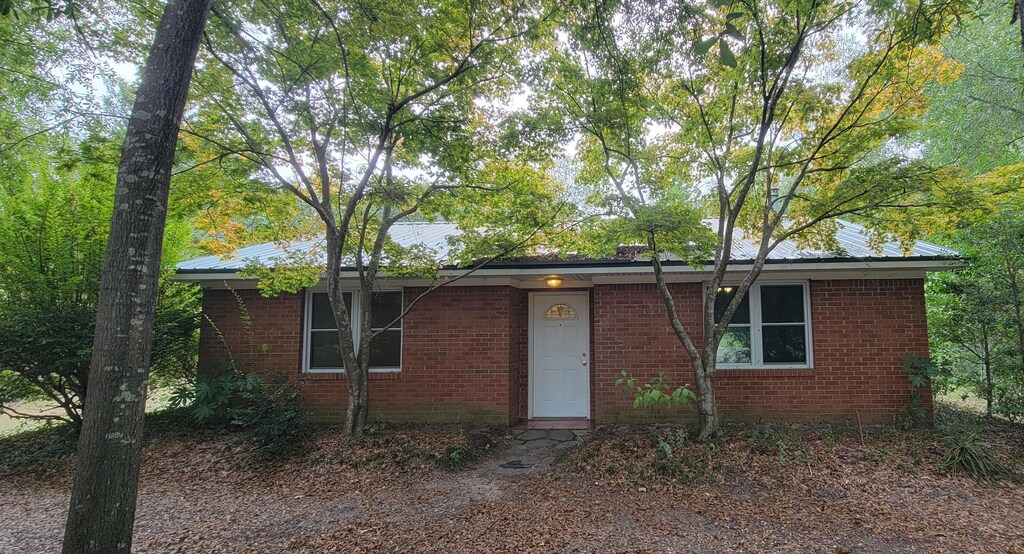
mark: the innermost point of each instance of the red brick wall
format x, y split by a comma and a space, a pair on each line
458, 359
862, 330
465, 353
272, 342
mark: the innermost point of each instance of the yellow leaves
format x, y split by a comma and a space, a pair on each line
948, 71
230, 220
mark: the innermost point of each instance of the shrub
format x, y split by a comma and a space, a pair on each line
269, 414
920, 372
966, 452
264, 407
54, 220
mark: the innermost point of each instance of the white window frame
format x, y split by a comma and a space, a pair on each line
756, 344
307, 318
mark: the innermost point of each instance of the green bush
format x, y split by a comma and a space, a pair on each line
263, 407
967, 453
269, 414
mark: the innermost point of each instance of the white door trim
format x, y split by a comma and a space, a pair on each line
581, 298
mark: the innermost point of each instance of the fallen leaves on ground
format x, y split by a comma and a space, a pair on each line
812, 488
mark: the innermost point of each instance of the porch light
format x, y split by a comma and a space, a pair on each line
553, 281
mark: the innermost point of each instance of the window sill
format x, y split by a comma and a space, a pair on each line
764, 371
341, 376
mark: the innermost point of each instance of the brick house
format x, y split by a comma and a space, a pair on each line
821, 336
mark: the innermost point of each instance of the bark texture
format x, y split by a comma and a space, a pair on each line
102, 510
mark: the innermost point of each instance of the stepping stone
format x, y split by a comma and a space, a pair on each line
516, 464
562, 435
532, 435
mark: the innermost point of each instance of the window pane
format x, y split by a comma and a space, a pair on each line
735, 346
324, 352
722, 299
782, 304
386, 307
386, 349
560, 311
784, 344
323, 317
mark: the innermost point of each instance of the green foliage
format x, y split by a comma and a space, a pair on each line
270, 415
920, 372
976, 313
212, 392
14, 388
653, 393
680, 460
967, 453
973, 119
56, 197
264, 407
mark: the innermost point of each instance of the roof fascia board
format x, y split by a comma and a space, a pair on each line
625, 273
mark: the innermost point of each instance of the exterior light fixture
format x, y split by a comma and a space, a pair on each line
553, 281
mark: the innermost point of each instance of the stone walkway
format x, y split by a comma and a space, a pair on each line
533, 450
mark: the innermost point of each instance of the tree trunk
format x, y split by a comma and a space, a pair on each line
987, 363
708, 424
358, 403
356, 358
102, 509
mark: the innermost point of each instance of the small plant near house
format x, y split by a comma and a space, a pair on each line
920, 372
967, 453
679, 459
654, 392
454, 456
831, 440
270, 414
264, 407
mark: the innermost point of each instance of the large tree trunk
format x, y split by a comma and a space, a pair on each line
102, 510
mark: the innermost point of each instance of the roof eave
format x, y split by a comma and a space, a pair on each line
923, 263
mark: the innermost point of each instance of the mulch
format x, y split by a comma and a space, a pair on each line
627, 489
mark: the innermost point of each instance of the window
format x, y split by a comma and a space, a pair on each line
323, 352
769, 329
560, 311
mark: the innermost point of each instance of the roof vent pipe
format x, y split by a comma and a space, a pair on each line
773, 198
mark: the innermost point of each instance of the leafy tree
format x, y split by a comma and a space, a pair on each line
976, 123
975, 314
773, 119
55, 202
370, 113
102, 508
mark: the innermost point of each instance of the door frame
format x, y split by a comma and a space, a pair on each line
584, 297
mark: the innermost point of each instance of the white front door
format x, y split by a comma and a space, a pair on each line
560, 366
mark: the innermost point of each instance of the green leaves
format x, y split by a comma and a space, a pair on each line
728, 58
724, 50
725, 53
704, 46
653, 393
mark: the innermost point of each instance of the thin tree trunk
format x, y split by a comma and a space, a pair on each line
708, 424
987, 363
1019, 317
102, 509
356, 363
